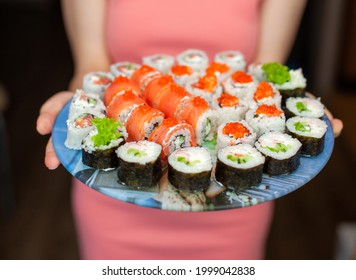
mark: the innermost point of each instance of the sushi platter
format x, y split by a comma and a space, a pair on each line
170, 135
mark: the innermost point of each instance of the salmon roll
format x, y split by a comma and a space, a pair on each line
197, 112
124, 68
266, 118
97, 82
142, 121
122, 105
119, 85
155, 89
173, 134
161, 62
144, 75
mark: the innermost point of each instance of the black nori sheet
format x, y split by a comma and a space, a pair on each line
189, 181
276, 167
238, 179
298, 92
100, 159
311, 146
142, 176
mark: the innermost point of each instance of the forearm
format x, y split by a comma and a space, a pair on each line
85, 26
279, 24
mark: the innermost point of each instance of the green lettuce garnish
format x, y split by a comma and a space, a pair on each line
107, 131
279, 147
276, 73
301, 107
239, 159
302, 126
186, 161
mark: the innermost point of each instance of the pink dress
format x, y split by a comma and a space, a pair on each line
111, 229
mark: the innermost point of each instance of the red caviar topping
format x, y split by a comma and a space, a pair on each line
236, 130
207, 83
121, 79
268, 110
227, 100
216, 67
263, 90
199, 102
241, 77
180, 70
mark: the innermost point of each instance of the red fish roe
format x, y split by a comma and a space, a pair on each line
268, 110
227, 100
216, 67
180, 70
264, 90
207, 83
200, 102
236, 130
241, 77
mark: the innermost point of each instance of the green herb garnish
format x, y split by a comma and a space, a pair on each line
276, 73
302, 126
239, 159
186, 161
301, 107
136, 152
107, 131
279, 148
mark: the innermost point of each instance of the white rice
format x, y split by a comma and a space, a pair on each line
233, 113
314, 127
313, 107
203, 132
240, 90
90, 84
275, 99
200, 156
124, 68
234, 59
255, 157
149, 152
207, 95
196, 59
271, 140
161, 62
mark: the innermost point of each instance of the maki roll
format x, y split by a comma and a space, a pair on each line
220, 70
310, 132
229, 108
161, 62
144, 75
304, 107
233, 133
265, 93
239, 166
139, 164
190, 169
266, 118
98, 148
239, 84
182, 73
124, 68
119, 86
196, 59
155, 89
234, 59
281, 150
97, 82
173, 134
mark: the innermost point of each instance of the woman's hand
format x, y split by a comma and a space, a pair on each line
45, 122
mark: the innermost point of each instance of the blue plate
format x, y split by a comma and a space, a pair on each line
164, 197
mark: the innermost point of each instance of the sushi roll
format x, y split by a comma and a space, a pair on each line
120, 85
182, 73
194, 58
229, 108
206, 87
85, 103
197, 112
265, 93
233, 133
142, 121
97, 82
304, 107
139, 164
239, 84
144, 75
266, 118
161, 62
124, 68
98, 147
310, 132
190, 168
156, 88
78, 128
239, 167
281, 150
234, 59
173, 134
122, 105
221, 70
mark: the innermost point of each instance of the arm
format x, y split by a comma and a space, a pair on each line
85, 25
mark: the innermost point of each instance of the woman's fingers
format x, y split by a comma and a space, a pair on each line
51, 160
50, 110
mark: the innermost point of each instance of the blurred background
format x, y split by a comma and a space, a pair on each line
318, 221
